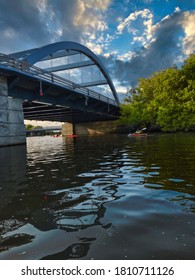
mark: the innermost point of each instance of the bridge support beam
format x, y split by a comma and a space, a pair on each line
90, 128
67, 129
12, 129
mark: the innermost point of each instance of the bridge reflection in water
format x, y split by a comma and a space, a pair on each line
54, 193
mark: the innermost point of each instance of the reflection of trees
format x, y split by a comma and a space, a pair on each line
168, 162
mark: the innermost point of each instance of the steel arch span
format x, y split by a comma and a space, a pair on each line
36, 55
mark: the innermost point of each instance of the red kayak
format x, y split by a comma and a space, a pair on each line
72, 135
138, 134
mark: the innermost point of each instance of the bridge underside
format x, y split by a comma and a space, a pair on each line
44, 112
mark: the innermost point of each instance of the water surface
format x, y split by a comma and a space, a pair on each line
106, 197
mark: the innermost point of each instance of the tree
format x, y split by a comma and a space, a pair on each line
188, 67
166, 98
29, 126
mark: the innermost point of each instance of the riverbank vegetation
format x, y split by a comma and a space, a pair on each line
31, 127
166, 99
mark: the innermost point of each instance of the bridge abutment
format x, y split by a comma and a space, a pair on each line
67, 129
12, 128
90, 128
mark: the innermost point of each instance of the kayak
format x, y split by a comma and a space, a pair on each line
72, 135
138, 134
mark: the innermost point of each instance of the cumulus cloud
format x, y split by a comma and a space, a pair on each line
88, 15
139, 25
160, 54
132, 17
96, 48
188, 24
27, 24
177, 9
21, 23
163, 50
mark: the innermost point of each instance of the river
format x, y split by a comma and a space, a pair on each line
104, 197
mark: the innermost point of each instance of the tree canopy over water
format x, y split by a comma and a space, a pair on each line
166, 99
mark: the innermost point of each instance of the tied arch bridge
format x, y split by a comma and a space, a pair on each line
64, 82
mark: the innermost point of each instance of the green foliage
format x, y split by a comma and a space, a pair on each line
166, 98
29, 126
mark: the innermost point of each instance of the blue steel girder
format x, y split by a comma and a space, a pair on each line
28, 89
25, 85
70, 100
42, 52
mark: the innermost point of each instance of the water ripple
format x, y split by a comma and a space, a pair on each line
108, 197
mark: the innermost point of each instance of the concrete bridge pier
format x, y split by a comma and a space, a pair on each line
12, 128
90, 128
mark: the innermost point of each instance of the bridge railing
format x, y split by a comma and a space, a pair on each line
43, 75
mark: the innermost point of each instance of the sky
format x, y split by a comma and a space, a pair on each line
133, 38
